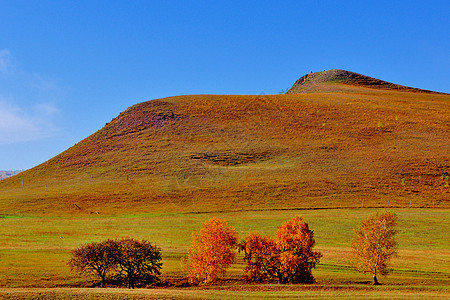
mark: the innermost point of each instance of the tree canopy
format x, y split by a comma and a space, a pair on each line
288, 258
374, 243
212, 251
96, 258
128, 259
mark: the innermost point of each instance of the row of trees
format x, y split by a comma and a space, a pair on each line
288, 257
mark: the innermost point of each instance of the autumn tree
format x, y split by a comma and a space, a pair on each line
288, 258
262, 257
97, 258
295, 242
374, 244
138, 261
212, 251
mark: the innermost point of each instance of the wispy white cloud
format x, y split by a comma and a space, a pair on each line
21, 125
47, 109
4, 61
43, 84
26, 106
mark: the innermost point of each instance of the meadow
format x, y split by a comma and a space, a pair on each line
34, 252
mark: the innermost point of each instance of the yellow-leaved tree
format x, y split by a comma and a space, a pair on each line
374, 244
212, 251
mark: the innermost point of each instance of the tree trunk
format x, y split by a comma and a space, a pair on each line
375, 280
280, 278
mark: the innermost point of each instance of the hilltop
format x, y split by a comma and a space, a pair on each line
335, 139
340, 80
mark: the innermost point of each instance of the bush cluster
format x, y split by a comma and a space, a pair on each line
129, 261
288, 258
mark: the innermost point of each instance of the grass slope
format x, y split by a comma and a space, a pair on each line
364, 146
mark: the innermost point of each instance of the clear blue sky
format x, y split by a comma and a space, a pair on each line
69, 67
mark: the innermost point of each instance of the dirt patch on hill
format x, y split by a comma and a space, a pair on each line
232, 158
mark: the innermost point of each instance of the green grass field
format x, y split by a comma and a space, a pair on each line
34, 252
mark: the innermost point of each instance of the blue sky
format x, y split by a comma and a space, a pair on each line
69, 67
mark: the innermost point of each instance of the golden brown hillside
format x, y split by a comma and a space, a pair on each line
195, 153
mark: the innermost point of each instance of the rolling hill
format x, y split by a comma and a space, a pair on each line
336, 139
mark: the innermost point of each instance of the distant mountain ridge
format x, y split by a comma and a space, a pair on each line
6, 174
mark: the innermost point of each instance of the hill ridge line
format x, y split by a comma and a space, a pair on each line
320, 81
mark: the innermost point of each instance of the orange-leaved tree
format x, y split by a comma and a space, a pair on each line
212, 251
295, 241
374, 244
262, 257
289, 258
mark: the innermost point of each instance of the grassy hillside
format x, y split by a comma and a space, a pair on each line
353, 147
